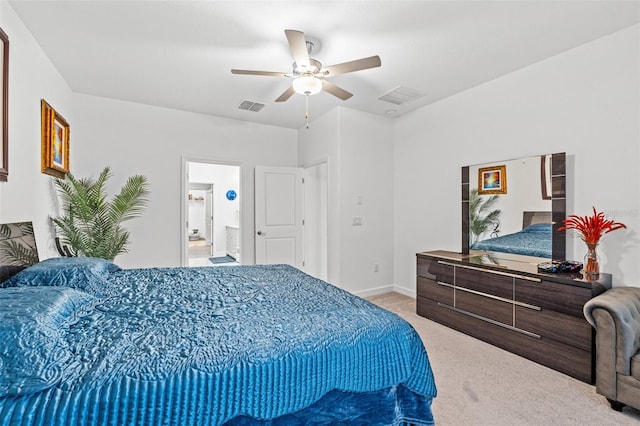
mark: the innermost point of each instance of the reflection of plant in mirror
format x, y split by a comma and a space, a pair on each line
480, 216
485, 259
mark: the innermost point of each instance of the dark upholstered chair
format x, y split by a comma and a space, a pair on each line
615, 314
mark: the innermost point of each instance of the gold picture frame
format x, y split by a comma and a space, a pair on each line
492, 180
55, 142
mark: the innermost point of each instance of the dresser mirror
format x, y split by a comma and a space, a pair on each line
515, 206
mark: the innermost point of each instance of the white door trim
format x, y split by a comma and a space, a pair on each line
318, 269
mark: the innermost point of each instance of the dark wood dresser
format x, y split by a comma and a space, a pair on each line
503, 299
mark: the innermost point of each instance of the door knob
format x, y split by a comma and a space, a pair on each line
262, 233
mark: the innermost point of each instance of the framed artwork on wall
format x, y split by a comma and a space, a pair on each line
492, 180
4, 114
55, 142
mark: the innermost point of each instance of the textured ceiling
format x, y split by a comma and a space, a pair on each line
178, 54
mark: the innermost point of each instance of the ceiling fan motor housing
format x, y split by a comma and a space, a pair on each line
314, 67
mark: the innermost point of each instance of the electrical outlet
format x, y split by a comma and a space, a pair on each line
376, 267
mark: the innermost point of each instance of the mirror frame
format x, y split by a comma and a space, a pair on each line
4, 164
558, 206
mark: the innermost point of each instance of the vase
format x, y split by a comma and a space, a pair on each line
591, 261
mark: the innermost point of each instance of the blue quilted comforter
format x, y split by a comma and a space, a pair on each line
534, 240
208, 345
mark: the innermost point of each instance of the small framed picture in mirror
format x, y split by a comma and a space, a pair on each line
492, 180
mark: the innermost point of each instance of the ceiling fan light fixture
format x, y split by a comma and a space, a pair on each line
307, 84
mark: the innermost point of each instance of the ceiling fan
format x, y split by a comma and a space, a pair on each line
309, 76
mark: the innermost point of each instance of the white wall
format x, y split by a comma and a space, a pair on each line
585, 102
28, 194
359, 150
366, 152
140, 139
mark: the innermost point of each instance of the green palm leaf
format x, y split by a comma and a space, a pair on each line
481, 217
91, 224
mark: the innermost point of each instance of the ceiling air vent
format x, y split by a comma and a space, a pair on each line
400, 95
250, 106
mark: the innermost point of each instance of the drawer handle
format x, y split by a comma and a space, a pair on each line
491, 296
498, 323
490, 271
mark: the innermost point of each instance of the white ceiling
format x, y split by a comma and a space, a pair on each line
178, 54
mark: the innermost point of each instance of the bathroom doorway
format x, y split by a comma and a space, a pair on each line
212, 206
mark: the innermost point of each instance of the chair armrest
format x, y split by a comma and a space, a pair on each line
622, 304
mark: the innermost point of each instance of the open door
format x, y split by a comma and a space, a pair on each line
278, 215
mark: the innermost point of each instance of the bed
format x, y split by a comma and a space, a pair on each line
533, 240
84, 342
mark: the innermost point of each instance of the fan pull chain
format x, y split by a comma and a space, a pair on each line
306, 109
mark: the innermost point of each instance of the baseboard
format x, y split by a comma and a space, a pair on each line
405, 291
385, 289
374, 291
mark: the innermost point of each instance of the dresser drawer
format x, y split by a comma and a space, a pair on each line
435, 271
484, 306
434, 291
485, 282
548, 324
436, 311
563, 298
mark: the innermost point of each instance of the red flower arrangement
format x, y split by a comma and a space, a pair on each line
593, 227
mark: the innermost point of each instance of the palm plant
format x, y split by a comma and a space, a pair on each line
480, 218
17, 244
91, 224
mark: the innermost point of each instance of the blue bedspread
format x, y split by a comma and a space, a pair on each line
183, 346
534, 240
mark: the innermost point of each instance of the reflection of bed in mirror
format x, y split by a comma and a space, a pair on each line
533, 240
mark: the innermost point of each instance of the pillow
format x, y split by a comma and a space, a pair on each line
85, 273
538, 228
33, 323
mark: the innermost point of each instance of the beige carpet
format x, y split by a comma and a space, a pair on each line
479, 384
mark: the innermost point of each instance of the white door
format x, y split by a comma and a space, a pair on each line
208, 200
279, 216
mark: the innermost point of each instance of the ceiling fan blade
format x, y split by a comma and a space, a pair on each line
298, 45
336, 90
351, 66
286, 94
267, 73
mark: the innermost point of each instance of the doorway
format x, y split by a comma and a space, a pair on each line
316, 220
212, 211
